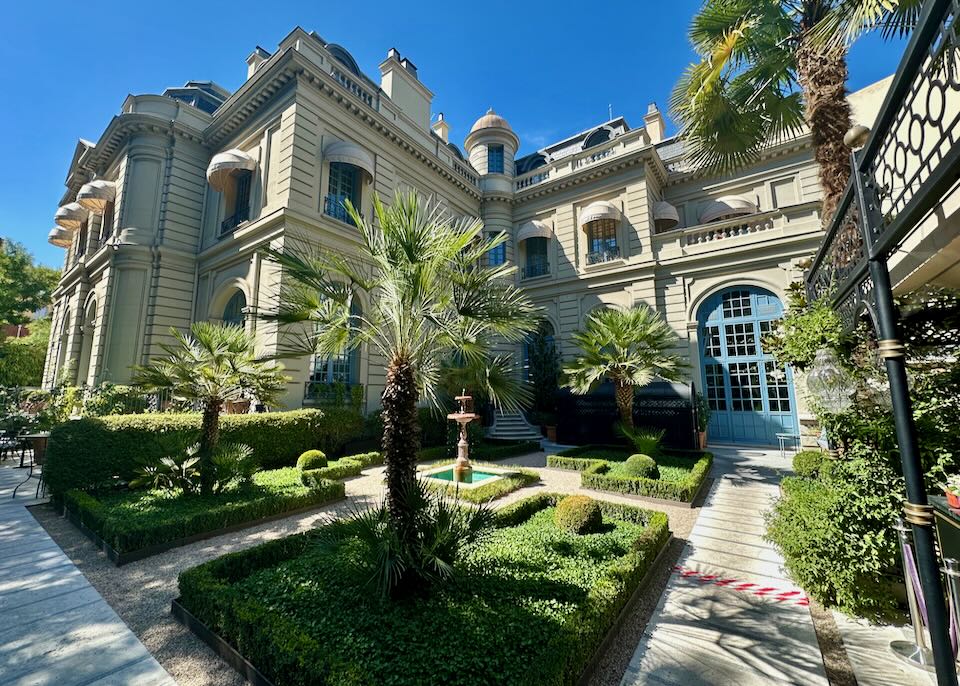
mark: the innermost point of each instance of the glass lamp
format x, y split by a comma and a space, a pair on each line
829, 384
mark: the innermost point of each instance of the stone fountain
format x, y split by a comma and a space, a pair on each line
461, 468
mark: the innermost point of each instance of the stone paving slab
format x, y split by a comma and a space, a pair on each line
873, 664
57, 630
703, 632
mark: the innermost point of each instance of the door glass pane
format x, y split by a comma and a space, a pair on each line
711, 341
745, 392
737, 304
741, 339
778, 391
716, 397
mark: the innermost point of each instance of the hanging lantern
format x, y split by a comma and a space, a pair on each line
829, 384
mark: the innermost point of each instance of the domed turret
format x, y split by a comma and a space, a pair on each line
492, 145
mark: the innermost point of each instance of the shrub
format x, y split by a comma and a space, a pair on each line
578, 514
642, 465
644, 441
807, 463
340, 469
312, 459
93, 453
683, 485
545, 600
132, 520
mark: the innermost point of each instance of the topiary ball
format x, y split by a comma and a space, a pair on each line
312, 459
578, 514
642, 466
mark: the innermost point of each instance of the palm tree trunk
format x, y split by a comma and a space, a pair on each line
209, 437
822, 72
624, 396
401, 439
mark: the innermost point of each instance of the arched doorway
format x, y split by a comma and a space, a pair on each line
233, 314
751, 398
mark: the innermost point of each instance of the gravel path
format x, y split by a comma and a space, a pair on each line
141, 592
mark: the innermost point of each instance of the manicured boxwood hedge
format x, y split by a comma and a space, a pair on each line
601, 468
495, 489
129, 521
531, 605
93, 453
341, 469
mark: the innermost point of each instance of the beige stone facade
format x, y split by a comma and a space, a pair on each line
202, 179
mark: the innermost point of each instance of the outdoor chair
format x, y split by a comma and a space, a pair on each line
36, 472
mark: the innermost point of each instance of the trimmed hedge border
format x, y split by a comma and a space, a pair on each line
485, 451
491, 491
593, 474
93, 453
343, 468
220, 616
90, 516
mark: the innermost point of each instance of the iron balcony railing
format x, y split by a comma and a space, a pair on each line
605, 255
907, 164
234, 220
335, 206
536, 266
334, 394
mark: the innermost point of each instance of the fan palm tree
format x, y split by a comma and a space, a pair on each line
431, 298
215, 364
766, 68
629, 348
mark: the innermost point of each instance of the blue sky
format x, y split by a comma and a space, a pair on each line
551, 68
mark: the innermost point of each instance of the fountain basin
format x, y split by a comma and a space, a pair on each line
478, 476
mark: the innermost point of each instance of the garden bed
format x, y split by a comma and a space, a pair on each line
131, 525
682, 474
532, 604
512, 479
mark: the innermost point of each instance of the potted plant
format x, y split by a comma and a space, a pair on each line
703, 419
951, 488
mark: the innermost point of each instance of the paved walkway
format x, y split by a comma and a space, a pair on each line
729, 615
56, 628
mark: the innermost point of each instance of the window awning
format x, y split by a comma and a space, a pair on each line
665, 216
534, 229
597, 211
725, 207
60, 237
350, 153
226, 163
95, 195
70, 216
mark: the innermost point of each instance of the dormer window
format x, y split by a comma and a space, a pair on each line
494, 159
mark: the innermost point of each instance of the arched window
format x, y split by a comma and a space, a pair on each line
601, 135
233, 314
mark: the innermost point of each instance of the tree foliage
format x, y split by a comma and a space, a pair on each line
21, 359
25, 286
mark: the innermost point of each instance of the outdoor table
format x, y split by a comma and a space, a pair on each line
783, 438
38, 443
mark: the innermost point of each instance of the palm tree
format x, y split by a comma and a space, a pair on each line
431, 298
629, 348
767, 67
215, 364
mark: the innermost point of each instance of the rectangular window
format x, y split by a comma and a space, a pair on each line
497, 255
494, 159
239, 209
344, 185
106, 223
536, 263
741, 340
716, 390
778, 391
745, 391
82, 240
602, 241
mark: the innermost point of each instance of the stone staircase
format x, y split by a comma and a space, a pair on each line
512, 426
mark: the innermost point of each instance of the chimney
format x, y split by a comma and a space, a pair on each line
441, 128
398, 79
257, 57
653, 121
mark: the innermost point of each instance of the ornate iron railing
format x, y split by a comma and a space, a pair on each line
605, 255
910, 160
537, 265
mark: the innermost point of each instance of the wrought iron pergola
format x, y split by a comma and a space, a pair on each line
906, 165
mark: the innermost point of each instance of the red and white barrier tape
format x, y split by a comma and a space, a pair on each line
793, 597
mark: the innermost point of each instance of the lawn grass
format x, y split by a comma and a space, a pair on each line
497, 488
131, 520
530, 605
602, 468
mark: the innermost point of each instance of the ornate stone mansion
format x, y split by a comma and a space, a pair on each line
164, 217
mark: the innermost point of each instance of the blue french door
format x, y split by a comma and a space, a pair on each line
750, 396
